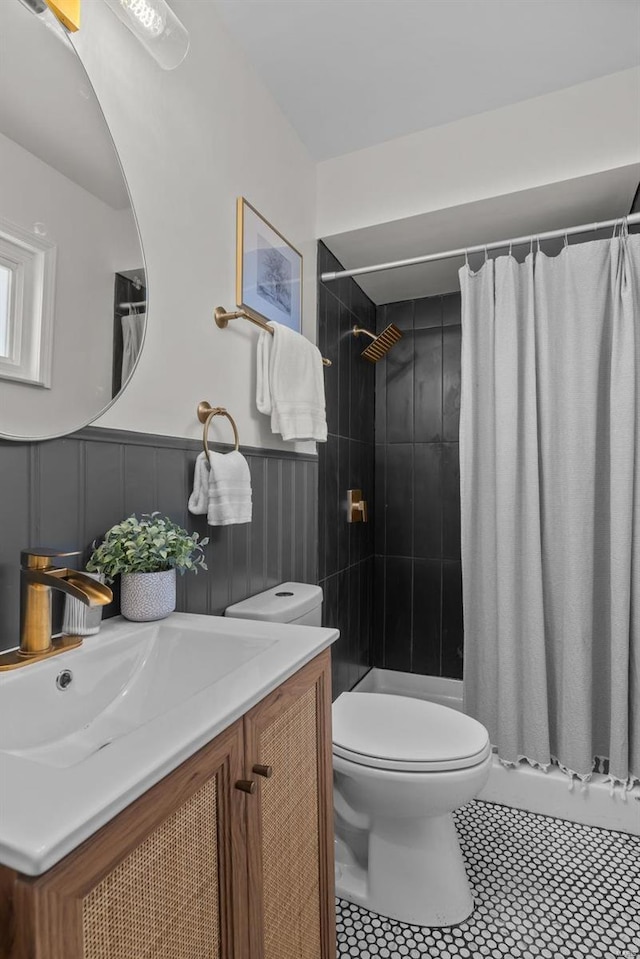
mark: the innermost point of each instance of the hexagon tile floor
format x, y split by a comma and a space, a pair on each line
544, 889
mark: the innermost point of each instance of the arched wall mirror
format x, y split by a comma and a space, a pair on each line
72, 276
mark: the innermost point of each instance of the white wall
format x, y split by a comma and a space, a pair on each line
93, 241
192, 140
574, 132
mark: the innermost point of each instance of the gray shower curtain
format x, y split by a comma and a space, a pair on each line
550, 489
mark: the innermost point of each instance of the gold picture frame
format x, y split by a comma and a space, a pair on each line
268, 270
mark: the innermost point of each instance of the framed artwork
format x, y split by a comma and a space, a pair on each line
268, 270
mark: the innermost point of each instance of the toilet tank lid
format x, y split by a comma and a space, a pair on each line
281, 604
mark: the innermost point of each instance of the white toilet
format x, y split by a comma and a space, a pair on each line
401, 767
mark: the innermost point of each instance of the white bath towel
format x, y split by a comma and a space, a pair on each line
132, 337
222, 491
290, 385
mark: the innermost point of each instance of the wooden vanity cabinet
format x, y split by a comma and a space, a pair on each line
199, 867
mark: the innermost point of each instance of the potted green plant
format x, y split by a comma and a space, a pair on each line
146, 552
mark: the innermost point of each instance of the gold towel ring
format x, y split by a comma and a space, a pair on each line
206, 412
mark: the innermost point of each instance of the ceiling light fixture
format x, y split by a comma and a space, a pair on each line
157, 27
37, 6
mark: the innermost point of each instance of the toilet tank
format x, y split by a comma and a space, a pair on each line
298, 603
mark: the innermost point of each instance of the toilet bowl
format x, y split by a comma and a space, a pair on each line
401, 767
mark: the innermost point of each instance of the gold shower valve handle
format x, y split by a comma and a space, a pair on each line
356, 507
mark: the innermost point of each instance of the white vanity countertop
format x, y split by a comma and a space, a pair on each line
48, 807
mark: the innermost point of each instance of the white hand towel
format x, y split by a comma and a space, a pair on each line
222, 490
290, 385
199, 499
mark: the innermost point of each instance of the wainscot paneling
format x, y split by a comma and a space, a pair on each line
65, 493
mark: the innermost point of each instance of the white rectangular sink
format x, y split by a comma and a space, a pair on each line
110, 688
95, 727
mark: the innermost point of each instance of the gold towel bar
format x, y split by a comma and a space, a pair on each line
222, 318
206, 412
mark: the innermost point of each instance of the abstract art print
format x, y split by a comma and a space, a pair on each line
268, 270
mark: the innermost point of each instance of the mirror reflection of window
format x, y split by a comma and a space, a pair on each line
5, 306
28, 262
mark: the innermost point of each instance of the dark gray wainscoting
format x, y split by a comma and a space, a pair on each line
67, 492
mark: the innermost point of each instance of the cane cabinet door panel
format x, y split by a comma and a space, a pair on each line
290, 819
166, 879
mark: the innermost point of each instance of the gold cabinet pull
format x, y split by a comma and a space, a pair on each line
260, 770
246, 785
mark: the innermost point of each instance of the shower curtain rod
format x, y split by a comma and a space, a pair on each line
481, 248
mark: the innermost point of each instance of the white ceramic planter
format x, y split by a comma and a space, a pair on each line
148, 596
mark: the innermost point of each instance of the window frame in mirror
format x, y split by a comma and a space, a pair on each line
31, 261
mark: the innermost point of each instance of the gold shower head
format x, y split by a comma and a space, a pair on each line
381, 344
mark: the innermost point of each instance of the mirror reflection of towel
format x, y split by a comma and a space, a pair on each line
132, 333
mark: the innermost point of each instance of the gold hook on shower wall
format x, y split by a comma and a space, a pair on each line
206, 413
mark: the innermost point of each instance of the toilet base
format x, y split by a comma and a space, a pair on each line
415, 873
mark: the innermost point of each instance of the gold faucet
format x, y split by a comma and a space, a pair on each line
38, 576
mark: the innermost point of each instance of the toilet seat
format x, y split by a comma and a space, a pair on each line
402, 734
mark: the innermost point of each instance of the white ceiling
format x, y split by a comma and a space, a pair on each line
585, 199
352, 73
47, 104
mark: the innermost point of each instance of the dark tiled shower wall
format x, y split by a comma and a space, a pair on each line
346, 461
64, 493
418, 580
